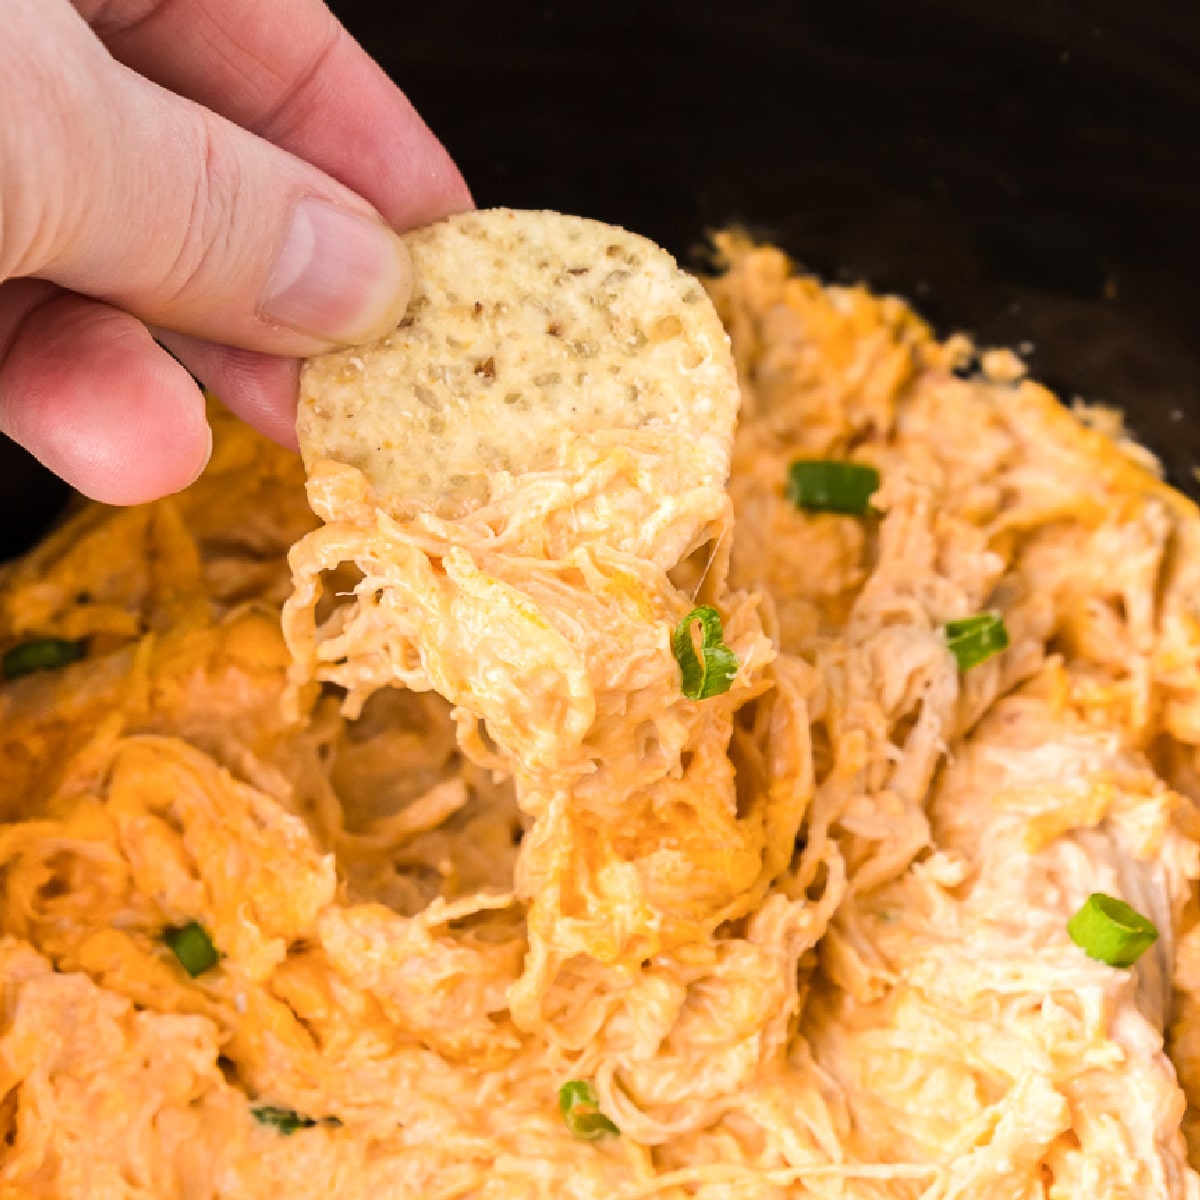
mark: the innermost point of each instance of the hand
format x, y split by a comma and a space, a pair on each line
241, 235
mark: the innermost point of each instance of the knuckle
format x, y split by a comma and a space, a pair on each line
203, 237
277, 119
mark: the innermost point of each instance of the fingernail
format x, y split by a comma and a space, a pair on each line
340, 277
207, 454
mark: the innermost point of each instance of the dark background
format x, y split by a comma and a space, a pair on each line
1029, 172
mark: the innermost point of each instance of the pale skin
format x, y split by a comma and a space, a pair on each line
224, 176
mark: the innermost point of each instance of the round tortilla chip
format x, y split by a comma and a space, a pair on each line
523, 327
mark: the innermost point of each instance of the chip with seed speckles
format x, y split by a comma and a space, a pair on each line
523, 327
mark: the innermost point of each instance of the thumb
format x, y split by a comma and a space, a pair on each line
114, 188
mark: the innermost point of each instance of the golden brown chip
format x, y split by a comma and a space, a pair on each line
525, 328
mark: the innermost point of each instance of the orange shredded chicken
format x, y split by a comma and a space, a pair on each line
459, 838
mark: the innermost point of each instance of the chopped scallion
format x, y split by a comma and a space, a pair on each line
286, 1120
580, 1108
193, 947
829, 485
40, 654
975, 639
1110, 931
712, 671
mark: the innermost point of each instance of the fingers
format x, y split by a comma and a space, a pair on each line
85, 389
289, 72
315, 93
241, 254
182, 218
260, 388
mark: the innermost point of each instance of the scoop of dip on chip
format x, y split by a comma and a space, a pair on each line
529, 476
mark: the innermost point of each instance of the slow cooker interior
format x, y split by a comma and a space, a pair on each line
1025, 172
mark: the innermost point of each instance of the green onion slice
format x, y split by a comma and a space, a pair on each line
580, 1108
40, 654
1111, 932
193, 947
712, 671
975, 639
286, 1120
827, 485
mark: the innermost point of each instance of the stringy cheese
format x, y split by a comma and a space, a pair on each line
806, 938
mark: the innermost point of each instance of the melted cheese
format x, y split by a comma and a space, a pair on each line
806, 938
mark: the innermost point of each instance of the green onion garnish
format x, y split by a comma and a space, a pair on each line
712, 671
40, 654
1111, 932
286, 1120
193, 947
580, 1108
975, 639
827, 485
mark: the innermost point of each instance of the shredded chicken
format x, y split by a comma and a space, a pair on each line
805, 938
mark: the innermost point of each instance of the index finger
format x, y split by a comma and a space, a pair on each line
290, 72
